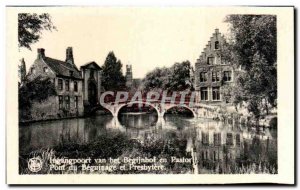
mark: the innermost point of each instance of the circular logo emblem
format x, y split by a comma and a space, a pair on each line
35, 164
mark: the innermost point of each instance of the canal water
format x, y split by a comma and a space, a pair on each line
214, 147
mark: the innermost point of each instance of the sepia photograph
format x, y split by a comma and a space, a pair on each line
164, 92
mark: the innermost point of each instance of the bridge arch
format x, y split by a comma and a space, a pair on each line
98, 107
180, 105
136, 102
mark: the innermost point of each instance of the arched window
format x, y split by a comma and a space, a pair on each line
217, 45
67, 84
92, 74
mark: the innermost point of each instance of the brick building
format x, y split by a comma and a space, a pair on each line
73, 87
212, 72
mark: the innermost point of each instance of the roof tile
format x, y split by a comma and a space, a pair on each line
62, 68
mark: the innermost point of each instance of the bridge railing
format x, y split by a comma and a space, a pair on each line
187, 99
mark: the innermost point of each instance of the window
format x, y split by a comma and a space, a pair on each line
229, 140
32, 70
67, 98
67, 85
60, 84
216, 156
238, 139
203, 76
204, 94
205, 139
217, 139
215, 76
227, 75
204, 155
71, 73
46, 69
76, 101
75, 86
224, 61
60, 102
210, 60
216, 93
92, 74
217, 45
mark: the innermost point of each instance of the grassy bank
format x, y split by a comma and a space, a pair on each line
112, 146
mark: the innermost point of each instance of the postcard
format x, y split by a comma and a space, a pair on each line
150, 95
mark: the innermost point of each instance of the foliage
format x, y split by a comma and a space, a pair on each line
112, 76
115, 145
156, 79
36, 90
253, 34
174, 78
30, 27
227, 92
180, 76
253, 48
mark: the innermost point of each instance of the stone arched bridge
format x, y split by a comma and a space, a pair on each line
198, 110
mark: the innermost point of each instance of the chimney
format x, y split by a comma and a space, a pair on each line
69, 55
41, 53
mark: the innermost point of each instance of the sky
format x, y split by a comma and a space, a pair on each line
146, 38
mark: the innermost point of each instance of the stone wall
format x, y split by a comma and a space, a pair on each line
49, 109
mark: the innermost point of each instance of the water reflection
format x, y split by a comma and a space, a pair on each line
216, 147
138, 120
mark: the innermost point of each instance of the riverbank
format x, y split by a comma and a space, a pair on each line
242, 116
115, 146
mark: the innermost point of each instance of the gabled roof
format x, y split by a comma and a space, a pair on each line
91, 64
62, 68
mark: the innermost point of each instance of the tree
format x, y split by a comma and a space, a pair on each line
251, 35
156, 79
112, 77
180, 76
36, 90
253, 48
30, 27
175, 78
